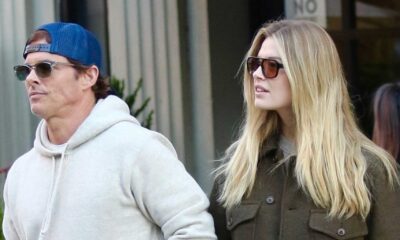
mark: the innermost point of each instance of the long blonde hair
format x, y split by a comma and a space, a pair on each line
330, 166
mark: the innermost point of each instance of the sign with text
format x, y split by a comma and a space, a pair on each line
312, 10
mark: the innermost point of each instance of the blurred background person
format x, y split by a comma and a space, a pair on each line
386, 108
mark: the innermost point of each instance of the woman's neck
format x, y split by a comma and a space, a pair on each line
288, 124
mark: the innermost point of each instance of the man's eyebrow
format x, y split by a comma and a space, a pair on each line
38, 61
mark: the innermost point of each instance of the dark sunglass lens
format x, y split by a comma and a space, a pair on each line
252, 64
21, 72
270, 68
43, 69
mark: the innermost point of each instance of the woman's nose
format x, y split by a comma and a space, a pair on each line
257, 74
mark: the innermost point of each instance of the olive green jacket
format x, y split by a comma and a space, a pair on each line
278, 209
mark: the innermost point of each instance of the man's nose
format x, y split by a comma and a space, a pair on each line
32, 78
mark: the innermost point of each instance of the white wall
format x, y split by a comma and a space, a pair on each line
17, 124
145, 42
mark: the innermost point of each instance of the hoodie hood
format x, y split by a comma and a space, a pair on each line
106, 113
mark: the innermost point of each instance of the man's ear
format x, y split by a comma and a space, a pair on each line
90, 76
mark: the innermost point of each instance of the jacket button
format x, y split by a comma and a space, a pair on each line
341, 232
270, 200
230, 221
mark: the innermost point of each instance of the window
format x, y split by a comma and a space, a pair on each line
91, 14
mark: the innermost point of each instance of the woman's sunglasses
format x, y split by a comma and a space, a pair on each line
42, 69
269, 67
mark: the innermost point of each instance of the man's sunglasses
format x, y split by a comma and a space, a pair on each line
269, 67
42, 69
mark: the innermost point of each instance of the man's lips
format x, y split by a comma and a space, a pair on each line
35, 93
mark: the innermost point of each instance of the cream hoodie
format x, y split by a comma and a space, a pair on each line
113, 179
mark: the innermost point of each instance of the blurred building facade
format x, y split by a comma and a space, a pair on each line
189, 54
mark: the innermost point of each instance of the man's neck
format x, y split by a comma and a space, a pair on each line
60, 129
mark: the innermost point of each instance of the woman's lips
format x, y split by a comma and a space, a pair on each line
260, 89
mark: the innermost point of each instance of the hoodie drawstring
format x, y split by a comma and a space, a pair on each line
53, 195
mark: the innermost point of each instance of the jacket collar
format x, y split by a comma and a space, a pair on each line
271, 144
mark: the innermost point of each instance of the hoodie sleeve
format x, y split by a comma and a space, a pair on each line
168, 195
9, 230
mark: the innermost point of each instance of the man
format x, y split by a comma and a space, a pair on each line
94, 172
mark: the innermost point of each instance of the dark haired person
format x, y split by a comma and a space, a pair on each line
94, 172
386, 108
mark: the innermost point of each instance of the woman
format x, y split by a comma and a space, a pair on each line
386, 108
301, 168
